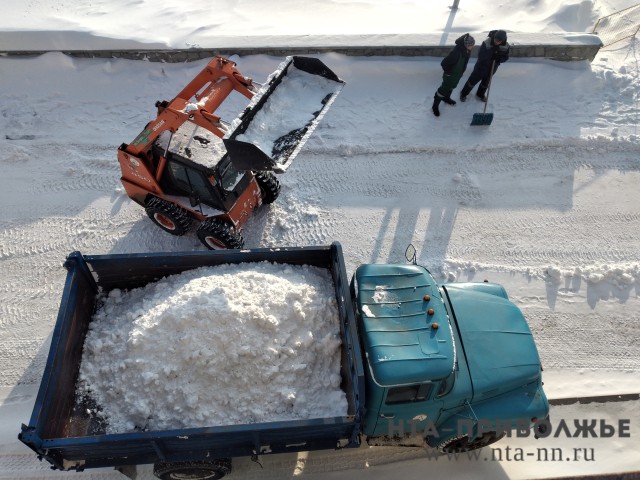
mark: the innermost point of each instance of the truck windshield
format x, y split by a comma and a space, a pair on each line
409, 393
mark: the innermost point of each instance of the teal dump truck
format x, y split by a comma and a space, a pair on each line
450, 366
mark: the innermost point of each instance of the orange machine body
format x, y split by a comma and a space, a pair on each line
196, 103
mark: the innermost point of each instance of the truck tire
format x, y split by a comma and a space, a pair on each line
269, 186
193, 470
168, 216
216, 234
461, 443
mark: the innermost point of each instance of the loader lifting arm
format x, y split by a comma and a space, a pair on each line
196, 103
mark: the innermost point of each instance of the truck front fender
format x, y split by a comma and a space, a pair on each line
482, 287
516, 409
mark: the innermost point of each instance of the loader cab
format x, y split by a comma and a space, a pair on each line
198, 167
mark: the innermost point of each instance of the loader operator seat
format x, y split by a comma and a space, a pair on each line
156, 153
159, 147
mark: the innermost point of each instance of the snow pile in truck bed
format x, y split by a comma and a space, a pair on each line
230, 344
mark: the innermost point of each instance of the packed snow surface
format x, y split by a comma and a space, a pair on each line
545, 200
224, 345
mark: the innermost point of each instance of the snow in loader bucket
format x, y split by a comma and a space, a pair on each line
273, 128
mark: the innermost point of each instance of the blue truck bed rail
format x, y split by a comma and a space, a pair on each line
64, 436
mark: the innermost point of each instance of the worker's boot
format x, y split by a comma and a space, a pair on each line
436, 101
482, 89
465, 91
449, 100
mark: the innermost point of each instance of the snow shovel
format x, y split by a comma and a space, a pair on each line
485, 118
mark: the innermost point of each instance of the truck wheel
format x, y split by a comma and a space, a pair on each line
462, 444
168, 216
193, 470
269, 186
216, 234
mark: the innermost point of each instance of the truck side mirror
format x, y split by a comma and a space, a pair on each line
410, 254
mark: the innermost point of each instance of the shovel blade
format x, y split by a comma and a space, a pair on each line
482, 119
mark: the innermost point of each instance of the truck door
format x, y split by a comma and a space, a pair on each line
408, 410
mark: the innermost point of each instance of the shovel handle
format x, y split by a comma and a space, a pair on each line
493, 64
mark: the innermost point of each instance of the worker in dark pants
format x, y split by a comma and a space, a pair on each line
493, 51
453, 65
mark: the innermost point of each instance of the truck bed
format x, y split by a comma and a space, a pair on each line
63, 433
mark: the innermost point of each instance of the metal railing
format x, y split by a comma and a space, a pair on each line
618, 26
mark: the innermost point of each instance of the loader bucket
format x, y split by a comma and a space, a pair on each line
281, 117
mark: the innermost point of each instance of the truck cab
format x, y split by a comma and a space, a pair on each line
454, 365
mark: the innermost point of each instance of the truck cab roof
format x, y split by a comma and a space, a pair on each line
405, 328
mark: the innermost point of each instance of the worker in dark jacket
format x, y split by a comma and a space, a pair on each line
453, 66
493, 51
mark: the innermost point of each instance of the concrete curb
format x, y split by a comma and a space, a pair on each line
625, 397
563, 47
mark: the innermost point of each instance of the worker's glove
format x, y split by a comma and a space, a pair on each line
503, 53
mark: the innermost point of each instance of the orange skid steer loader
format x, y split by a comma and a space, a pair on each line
189, 165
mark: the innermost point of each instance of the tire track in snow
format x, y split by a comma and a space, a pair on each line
363, 200
291, 221
28, 467
391, 163
26, 351
55, 234
594, 341
451, 179
525, 258
83, 182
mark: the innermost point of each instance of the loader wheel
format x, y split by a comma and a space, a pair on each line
461, 443
168, 216
216, 234
269, 186
193, 470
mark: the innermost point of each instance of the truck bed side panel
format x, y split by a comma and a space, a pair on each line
58, 380
56, 432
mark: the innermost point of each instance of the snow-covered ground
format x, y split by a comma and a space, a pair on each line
545, 200
167, 23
